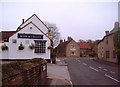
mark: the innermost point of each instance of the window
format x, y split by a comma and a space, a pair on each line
114, 54
72, 45
40, 46
73, 53
30, 27
14, 41
107, 54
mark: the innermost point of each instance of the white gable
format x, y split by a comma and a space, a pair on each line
37, 22
30, 28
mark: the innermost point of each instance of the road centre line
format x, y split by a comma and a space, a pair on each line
105, 69
100, 67
112, 78
112, 72
84, 64
94, 69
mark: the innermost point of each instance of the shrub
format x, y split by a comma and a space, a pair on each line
21, 47
50, 47
38, 61
32, 46
4, 47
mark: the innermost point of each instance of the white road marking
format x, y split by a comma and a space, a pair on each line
112, 78
84, 64
71, 83
100, 67
79, 61
112, 72
94, 69
105, 69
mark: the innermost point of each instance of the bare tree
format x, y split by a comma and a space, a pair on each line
54, 32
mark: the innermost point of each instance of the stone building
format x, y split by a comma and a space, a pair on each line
106, 49
69, 48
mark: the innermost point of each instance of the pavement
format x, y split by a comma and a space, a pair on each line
57, 74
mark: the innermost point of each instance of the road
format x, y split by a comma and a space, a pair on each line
85, 71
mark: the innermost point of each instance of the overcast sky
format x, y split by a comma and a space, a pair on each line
76, 18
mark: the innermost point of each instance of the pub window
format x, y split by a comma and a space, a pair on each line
40, 46
14, 41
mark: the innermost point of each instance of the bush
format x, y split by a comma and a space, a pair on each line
21, 47
38, 61
4, 47
32, 46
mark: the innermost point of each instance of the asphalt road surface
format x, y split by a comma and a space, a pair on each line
85, 71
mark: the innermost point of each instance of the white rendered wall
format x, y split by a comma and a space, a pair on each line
37, 22
27, 53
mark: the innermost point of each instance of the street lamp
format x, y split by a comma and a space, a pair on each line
52, 55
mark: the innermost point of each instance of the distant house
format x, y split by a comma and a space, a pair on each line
30, 40
106, 49
85, 49
68, 48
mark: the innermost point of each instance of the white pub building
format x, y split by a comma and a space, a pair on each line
29, 41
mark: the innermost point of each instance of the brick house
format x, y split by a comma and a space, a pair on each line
69, 48
106, 49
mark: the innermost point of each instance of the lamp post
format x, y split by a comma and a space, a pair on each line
52, 55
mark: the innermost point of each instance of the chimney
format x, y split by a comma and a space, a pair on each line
23, 21
64, 40
116, 25
69, 38
61, 41
106, 32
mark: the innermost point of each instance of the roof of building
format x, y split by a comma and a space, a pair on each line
32, 21
115, 29
6, 34
63, 45
84, 45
